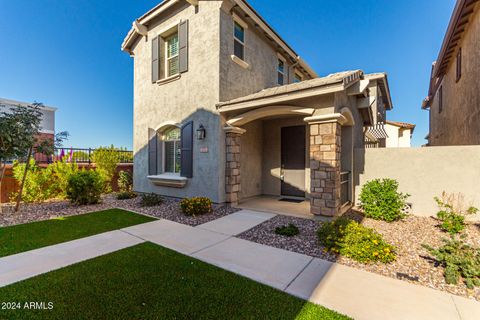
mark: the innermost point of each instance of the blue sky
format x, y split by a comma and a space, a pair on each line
66, 53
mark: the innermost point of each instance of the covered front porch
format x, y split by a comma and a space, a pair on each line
290, 149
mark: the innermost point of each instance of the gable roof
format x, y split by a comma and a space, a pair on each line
139, 28
404, 125
333, 82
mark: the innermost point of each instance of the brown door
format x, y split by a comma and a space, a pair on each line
293, 161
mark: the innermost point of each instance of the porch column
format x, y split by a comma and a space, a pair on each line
232, 169
325, 147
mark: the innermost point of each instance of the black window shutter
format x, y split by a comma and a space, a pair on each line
183, 45
187, 150
152, 152
155, 60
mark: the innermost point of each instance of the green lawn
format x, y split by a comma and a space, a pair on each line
150, 282
24, 237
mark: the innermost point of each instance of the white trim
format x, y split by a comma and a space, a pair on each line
168, 180
240, 62
237, 130
327, 118
13, 103
140, 28
281, 72
193, 2
242, 42
239, 20
167, 58
169, 79
260, 113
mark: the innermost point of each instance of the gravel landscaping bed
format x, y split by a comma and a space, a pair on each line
413, 262
169, 210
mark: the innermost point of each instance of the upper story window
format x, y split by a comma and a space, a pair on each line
172, 147
281, 72
459, 64
239, 40
172, 55
298, 78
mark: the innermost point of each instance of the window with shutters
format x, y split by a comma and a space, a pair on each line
281, 72
239, 41
172, 150
172, 55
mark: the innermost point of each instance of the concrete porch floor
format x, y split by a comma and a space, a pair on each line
272, 204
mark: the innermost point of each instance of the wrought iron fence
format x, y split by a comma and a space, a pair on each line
78, 155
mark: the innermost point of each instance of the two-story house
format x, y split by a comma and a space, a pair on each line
453, 97
225, 108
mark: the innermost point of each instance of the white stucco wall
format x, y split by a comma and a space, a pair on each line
423, 172
398, 137
47, 123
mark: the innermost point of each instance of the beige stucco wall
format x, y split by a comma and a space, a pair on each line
423, 172
251, 160
260, 54
192, 97
458, 123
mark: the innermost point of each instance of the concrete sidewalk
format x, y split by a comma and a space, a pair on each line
359, 294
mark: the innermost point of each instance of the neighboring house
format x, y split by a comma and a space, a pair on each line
399, 134
454, 94
224, 108
47, 124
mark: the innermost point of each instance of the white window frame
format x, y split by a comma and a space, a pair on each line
164, 154
167, 59
244, 25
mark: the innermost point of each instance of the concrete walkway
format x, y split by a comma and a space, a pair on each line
359, 294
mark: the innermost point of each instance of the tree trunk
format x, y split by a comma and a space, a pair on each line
27, 166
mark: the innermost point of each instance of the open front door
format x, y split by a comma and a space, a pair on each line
293, 147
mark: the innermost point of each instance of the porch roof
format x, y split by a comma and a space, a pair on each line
305, 89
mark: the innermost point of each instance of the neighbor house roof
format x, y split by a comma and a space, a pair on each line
8, 102
456, 28
331, 83
404, 125
139, 28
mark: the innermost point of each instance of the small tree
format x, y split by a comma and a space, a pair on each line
19, 132
106, 160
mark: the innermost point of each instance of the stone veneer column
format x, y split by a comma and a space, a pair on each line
232, 169
325, 148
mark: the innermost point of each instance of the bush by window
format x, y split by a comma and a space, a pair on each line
381, 200
151, 200
125, 181
351, 239
196, 206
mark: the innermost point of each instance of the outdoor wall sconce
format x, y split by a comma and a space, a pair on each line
201, 133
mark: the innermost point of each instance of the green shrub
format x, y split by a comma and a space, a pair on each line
125, 181
381, 200
351, 239
106, 160
196, 206
85, 187
289, 231
459, 260
151, 200
44, 183
126, 195
452, 212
